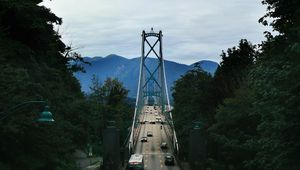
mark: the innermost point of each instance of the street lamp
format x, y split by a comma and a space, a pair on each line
45, 116
197, 125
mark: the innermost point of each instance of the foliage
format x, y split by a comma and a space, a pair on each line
234, 68
191, 102
277, 89
34, 67
256, 103
37, 65
234, 131
277, 86
108, 103
198, 95
284, 16
234, 117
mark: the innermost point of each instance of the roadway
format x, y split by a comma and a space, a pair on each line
153, 154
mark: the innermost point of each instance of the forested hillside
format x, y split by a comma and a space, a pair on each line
127, 71
249, 111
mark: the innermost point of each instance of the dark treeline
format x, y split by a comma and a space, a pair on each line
35, 66
249, 110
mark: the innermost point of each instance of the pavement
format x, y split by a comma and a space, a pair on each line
153, 154
83, 162
92, 163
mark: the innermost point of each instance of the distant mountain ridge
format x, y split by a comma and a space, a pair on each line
127, 71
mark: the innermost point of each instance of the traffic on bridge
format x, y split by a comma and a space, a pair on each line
153, 143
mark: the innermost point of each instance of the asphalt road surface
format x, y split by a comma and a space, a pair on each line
154, 156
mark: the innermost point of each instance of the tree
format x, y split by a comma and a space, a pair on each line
234, 68
192, 102
199, 96
114, 92
108, 103
34, 67
97, 93
277, 89
229, 131
234, 132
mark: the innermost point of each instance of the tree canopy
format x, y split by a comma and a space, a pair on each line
34, 67
255, 99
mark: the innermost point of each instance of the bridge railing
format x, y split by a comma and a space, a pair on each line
170, 131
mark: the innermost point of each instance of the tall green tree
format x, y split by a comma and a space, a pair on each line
108, 103
256, 128
191, 95
34, 66
234, 131
199, 96
257, 108
276, 82
233, 68
232, 106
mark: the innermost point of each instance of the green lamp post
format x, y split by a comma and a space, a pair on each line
197, 125
45, 116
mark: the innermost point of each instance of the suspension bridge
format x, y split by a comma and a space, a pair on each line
152, 131
151, 143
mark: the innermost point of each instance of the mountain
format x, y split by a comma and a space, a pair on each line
127, 70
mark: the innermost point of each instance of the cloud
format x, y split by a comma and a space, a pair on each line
193, 29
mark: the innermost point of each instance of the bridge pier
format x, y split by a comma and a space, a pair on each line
197, 150
111, 148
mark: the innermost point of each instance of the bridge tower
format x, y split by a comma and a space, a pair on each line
152, 85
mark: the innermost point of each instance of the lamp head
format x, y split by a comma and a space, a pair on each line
46, 115
197, 125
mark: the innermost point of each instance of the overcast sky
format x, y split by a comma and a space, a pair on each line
193, 29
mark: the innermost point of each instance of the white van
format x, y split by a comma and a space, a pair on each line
136, 162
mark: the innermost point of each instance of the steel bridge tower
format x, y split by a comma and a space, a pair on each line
152, 85
152, 80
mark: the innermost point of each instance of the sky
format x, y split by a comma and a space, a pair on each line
193, 30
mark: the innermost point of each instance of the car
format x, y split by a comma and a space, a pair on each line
169, 159
156, 114
164, 145
152, 122
149, 133
144, 139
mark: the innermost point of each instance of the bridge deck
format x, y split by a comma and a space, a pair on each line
153, 154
